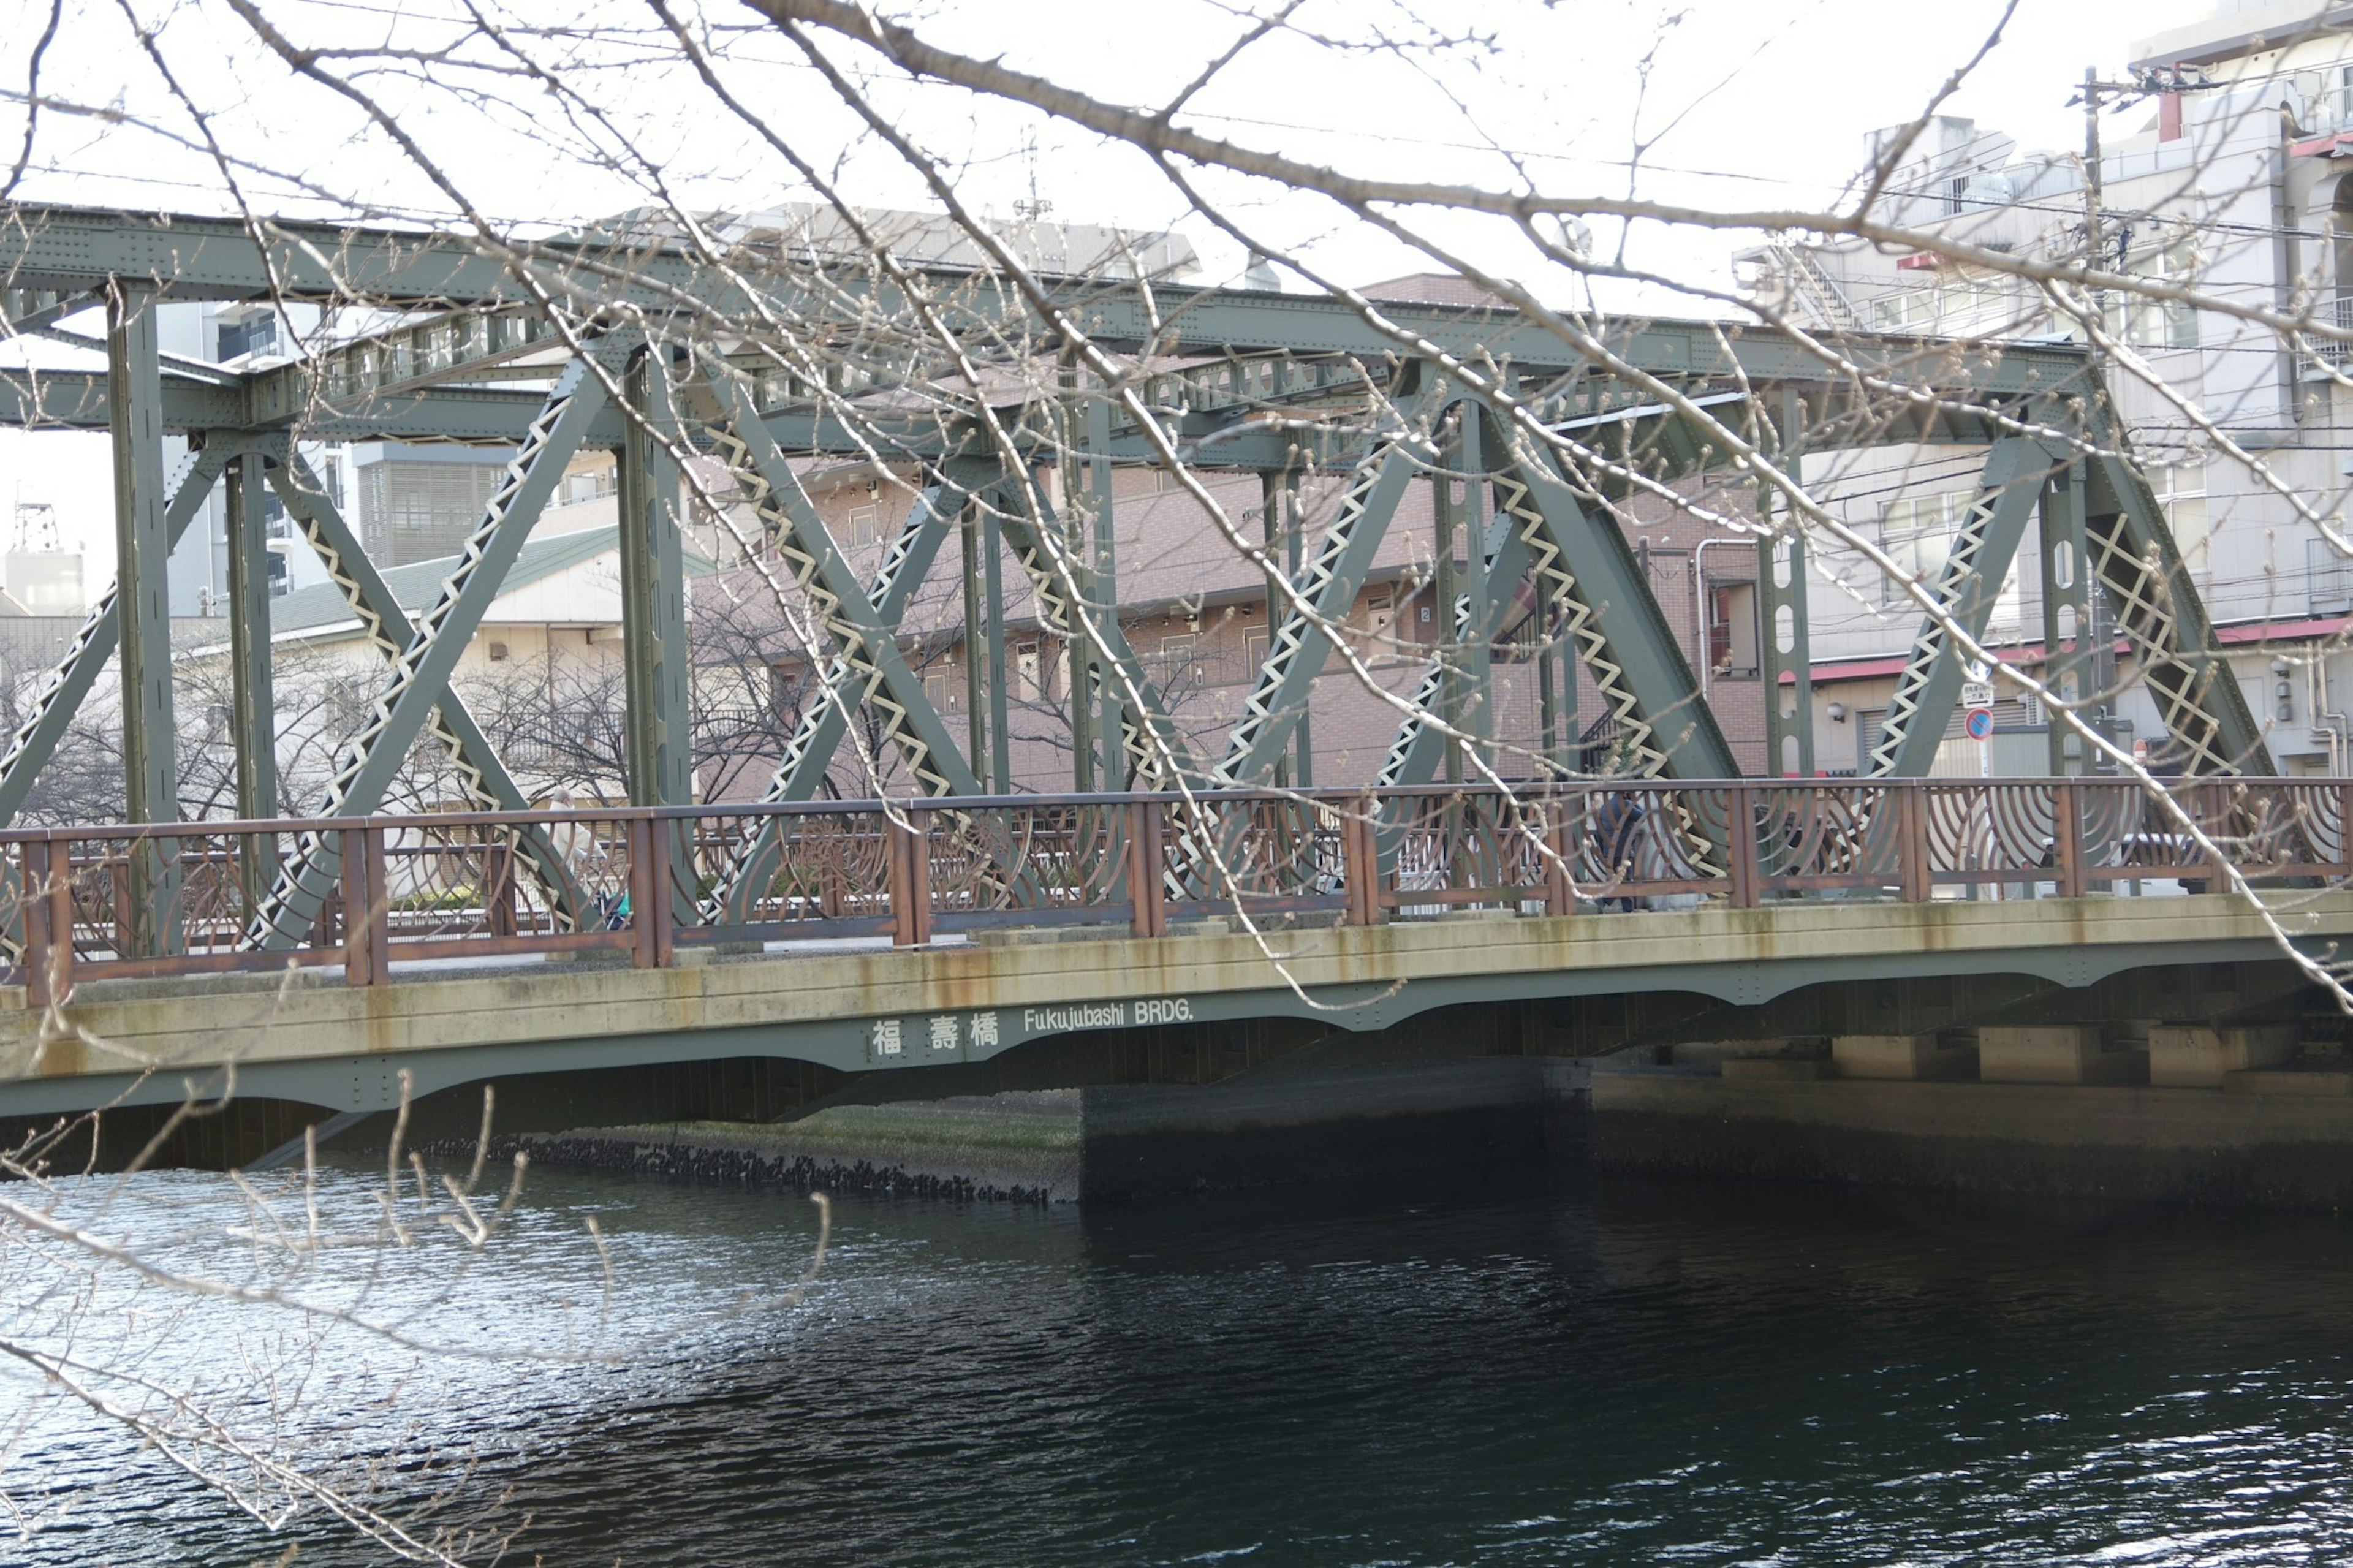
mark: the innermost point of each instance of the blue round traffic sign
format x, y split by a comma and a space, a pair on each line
1980, 725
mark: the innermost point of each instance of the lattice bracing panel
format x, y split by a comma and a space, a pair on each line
420, 677
1976, 564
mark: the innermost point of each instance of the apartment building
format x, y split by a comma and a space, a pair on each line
2228, 172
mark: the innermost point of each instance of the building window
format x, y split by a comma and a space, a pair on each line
1177, 657
865, 525
1732, 630
2148, 323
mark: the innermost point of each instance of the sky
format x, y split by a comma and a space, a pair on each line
1725, 104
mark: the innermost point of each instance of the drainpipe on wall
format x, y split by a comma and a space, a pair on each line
2287, 265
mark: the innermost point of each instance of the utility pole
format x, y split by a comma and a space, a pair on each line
2095, 95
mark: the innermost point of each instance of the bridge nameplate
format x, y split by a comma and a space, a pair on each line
906, 1040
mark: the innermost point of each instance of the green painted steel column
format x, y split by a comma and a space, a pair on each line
252, 702
142, 549
976, 697
1272, 484
1077, 506
1783, 642
1294, 524
2067, 640
1477, 639
1106, 582
992, 631
655, 672
1444, 512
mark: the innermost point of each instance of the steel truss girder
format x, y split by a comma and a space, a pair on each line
1514, 544
1155, 748
1590, 580
861, 634
825, 719
71, 682
1335, 576
481, 772
421, 677
1976, 562
2137, 563
653, 597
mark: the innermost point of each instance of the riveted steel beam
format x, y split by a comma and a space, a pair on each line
2157, 609
480, 773
653, 597
1297, 648
421, 679
45, 246
1968, 582
142, 552
861, 633
252, 704
61, 696
1589, 577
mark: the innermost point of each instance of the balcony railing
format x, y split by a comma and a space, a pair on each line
125, 902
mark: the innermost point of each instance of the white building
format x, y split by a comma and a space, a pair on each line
2236, 183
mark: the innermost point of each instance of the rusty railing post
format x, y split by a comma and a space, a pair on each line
362, 957
1740, 822
33, 914
662, 832
645, 952
499, 889
1915, 884
1361, 856
2067, 831
1560, 892
2216, 820
911, 889
1146, 858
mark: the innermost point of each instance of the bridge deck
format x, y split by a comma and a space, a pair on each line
301, 1035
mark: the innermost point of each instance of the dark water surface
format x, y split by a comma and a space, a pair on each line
1595, 1372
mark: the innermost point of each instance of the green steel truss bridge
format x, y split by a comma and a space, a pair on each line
982, 385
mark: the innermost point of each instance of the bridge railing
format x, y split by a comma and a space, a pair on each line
128, 902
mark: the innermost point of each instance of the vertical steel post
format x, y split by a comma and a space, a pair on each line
1470, 460
1074, 501
974, 697
1272, 484
253, 706
1782, 592
254, 710
654, 673
1106, 582
1444, 515
1148, 862
1294, 522
142, 549
33, 875
2066, 614
992, 566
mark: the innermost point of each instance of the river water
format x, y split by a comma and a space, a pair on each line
1582, 1371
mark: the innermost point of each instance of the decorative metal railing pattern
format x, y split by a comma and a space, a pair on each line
422, 889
